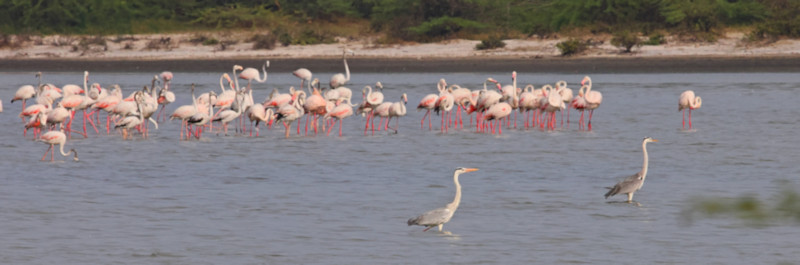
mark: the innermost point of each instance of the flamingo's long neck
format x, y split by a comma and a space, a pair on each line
457, 200
346, 68
695, 103
85, 80
61, 146
235, 79
644, 164
264, 69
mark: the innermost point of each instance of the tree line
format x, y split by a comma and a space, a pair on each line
406, 20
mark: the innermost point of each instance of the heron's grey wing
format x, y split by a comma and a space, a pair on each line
629, 184
432, 217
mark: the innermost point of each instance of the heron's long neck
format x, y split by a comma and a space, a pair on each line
644, 164
457, 199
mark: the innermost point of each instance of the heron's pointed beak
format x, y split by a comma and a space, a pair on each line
654, 140
471, 169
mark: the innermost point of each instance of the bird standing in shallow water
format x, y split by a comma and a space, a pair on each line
438, 217
633, 183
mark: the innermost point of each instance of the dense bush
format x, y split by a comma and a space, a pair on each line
625, 40
264, 42
493, 42
655, 39
571, 47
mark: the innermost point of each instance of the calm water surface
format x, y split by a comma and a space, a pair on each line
538, 197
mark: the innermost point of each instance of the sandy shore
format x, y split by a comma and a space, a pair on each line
177, 52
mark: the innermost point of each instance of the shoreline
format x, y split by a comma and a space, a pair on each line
631, 64
181, 53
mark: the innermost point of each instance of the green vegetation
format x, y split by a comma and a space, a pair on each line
571, 47
493, 42
783, 207
625, 40
309, 21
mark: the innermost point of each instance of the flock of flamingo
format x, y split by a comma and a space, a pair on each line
56, 107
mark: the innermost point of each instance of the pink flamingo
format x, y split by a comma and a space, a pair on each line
372, 100
184, 113
24, 93
689, 101
134, 119
461, 97
429, 103
566, 95
579, 103
340, 79
57, 116
382, 111
340, 112
251, 74
53, 138
397, 110
305, 77
497, 112
291, 112
258, 113
593, 98
165, 96
315, 105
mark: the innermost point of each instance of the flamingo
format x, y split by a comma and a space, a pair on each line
109, 103
339, 79
566, 95
165, 96
689, 101
305, 77
201, 117
397, 110
57, 116
428, 102
227, 116
553, 103
291, 112
24, 93
382, 111
259, 113
37, 122
251, 74
133, 119
461, 97
185, 112
511, 95
497, 112
226, 98
372, 99
339, 112
53, 138
593, 98
314, 105
444, 106
277, 99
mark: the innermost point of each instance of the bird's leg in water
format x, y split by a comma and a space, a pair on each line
427, 228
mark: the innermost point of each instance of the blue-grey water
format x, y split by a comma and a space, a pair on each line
538, 197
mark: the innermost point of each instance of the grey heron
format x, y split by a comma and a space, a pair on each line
440, 216
633, 183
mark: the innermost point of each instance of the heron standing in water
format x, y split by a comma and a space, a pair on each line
440, 216
633, 183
